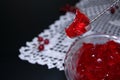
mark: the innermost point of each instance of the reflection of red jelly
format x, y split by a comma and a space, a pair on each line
78, 26
98, 62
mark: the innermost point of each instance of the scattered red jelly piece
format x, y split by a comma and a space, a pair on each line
68, 8
112, 10
40, 38
98, 62
78, 26
46, 41
41, 47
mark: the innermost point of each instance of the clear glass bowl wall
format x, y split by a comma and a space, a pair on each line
72, 55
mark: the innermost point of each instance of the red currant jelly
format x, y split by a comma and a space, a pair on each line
93, 58
99, 62
78, 26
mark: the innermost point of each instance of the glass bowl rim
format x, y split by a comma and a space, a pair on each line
111, 37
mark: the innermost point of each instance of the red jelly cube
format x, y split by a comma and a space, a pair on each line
78, 26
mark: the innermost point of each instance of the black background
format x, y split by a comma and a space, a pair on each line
21, 21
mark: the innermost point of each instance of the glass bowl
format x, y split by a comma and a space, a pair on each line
94, 65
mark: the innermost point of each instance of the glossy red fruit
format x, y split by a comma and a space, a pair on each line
112, 10
78, 26
46, 41
99, 62
41, 47
40, 38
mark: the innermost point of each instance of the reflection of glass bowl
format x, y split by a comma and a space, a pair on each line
74, 55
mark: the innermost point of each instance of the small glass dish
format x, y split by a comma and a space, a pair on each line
74, 55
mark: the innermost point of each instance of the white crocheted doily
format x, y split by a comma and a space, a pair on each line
54, 53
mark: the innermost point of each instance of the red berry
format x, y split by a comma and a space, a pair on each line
112, 10
41, 47
46, 41
40, 38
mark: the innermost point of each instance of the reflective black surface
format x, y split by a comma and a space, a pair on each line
22, 20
